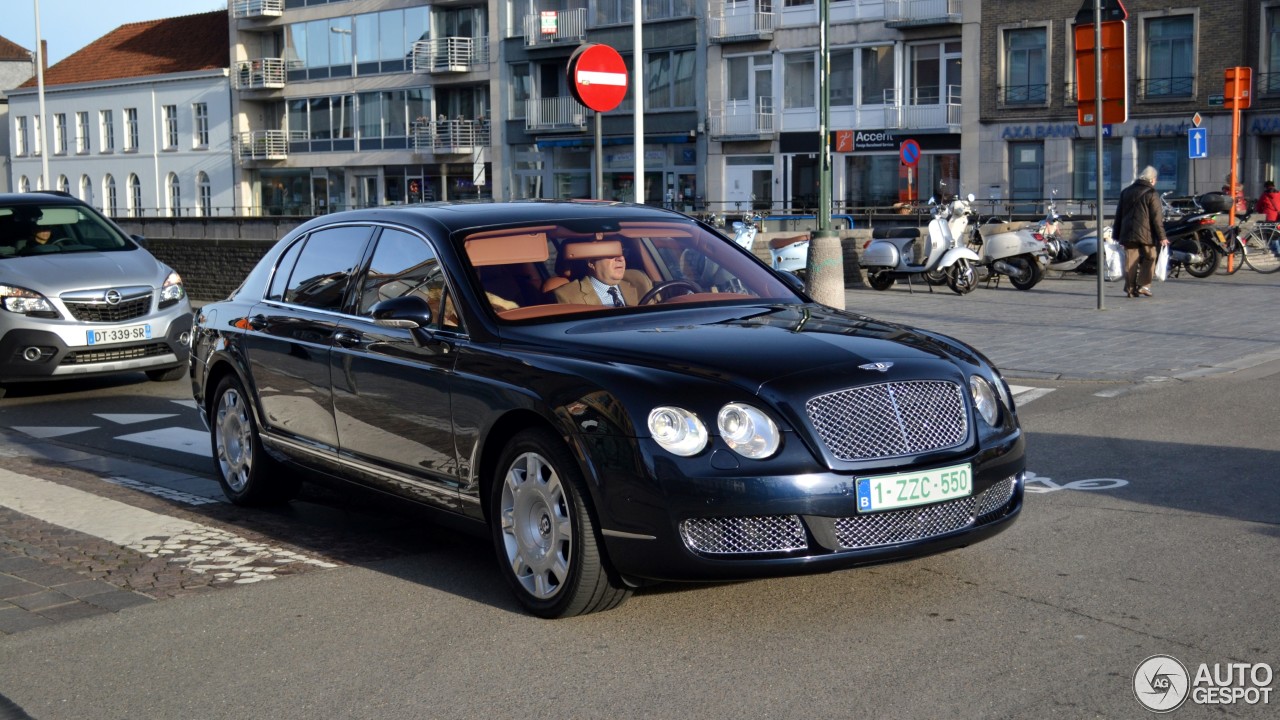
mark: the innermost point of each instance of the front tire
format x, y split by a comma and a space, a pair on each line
543, 533
962, 278
248, 475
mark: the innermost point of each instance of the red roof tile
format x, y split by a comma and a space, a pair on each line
10, 50
155, 47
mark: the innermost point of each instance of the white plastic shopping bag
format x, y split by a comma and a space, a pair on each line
1162, 263
1114, 253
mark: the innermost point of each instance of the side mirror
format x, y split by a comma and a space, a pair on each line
792, 280
409, 311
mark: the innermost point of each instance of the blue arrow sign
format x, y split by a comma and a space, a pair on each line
1197, 143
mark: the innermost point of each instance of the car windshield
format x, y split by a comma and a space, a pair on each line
36, 229
612, 265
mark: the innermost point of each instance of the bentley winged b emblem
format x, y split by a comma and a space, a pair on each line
880, 366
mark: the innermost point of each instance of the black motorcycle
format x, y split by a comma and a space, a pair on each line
1193, 241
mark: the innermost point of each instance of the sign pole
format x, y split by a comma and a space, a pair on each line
1101, 259
599, 161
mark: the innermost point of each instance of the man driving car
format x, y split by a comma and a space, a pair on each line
600, 281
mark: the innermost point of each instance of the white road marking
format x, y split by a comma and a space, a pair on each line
195, 442
132, 418
186, 403
160, 491
51, 432
204, 549
1024, 394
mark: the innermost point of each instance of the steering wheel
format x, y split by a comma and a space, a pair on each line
667, 285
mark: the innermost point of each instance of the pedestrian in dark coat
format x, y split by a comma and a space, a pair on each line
1138, 226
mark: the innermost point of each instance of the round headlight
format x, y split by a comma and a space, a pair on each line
677, 430
748, 431
984, 400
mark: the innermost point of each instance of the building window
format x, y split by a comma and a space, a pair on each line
1026, 57
82, 132
108, 128
1170, 63
200, 124
1169, 157
86, 189
24, 184
1026, 175
175, 195
205, 191
131, 129
669, 80
520, 89
37, 137
134, 199
170, 127
799, 76
109, 203
864, 74
60, 134
20, 139
1269, 81
64, 185
1084, 172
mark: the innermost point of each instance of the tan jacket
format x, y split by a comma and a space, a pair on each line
581, 292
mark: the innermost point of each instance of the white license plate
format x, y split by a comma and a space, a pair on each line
885, 492
127, 333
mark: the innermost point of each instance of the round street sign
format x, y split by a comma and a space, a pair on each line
597, 77
910, 152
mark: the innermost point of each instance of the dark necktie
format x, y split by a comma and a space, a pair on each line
617, 299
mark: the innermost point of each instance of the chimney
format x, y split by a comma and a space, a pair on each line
44, 54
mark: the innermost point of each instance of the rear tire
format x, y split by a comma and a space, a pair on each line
936, 277
880, 280
1210, 259
543, 532
1030, 272
248, 475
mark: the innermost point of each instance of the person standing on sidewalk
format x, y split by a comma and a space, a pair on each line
1269, 202
1138, 225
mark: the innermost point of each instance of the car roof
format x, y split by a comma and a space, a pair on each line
39, 197
469, 214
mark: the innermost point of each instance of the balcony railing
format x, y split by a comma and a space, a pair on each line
1167, 87
1267, 83
916, 13
450, 54
260, 74
267, 144
257, 8
556, 27
1036, 94
754, 20
925, 109
557, 113
743, 120
615, 13
450, 137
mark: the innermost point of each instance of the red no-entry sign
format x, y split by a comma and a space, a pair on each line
597, 77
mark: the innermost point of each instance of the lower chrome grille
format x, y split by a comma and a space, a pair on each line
88, 357
890, 419
742, 535
995, 497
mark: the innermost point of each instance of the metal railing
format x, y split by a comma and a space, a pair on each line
751, 20
622, 11
257, 8
450, 54
1167, 87
570, 26
557, 113
915, 11
450, 136
1035, 94
743, 119
267, 144
259, 74
925, 109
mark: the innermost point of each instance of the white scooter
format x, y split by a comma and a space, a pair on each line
786, 253
1080, 255
1014, 250
889, 259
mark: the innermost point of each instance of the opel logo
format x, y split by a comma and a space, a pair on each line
878, 366
113, 297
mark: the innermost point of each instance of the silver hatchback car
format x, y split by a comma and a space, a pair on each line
80, 297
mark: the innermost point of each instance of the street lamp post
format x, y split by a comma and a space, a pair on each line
44, 118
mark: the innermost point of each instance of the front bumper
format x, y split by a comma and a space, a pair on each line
58, 350
738, 528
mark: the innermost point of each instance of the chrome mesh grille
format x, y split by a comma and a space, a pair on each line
890, 419
740, 535
101, 311
995, 497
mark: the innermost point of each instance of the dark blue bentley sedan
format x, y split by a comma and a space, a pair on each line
617, 393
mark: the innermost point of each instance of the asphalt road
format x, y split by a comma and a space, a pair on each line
1170, 549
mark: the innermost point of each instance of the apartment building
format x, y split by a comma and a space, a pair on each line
1031, 144
16, 65
138, 121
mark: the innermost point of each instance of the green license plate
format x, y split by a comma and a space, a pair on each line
885, 492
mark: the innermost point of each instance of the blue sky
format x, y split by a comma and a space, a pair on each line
69, 25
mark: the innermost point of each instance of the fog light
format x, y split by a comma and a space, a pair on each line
185, 339
32, 354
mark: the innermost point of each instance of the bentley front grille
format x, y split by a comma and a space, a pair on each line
995, 497
744, 535
890, 419
104, 312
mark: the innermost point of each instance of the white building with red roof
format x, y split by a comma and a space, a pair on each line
16, 65
138, 121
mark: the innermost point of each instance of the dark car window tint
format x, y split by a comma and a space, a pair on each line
405, 264
285, 266
323, 271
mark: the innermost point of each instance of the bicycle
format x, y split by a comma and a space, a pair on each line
1262, 247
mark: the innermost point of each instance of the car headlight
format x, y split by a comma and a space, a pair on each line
26, 302
677, 430
172, 290
984, 400
748, 431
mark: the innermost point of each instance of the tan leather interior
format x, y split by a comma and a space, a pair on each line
507, 249
591, 250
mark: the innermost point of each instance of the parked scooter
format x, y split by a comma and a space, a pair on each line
1014, 250
889, 259
1191, 239
786, 253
